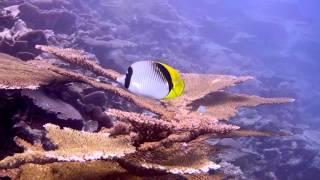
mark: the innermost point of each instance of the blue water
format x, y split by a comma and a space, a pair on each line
277, 41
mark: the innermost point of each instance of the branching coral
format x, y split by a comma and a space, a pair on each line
152, 129
178, 115
143, 102
222, 105
199, 85
89, 170
179, 158
168, 138
16, 74
72, 145
78, 57
206, 91
74, 170
188, 123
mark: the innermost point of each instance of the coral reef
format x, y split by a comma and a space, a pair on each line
71, 145
16, 38
107, 131
59, 21
139, 142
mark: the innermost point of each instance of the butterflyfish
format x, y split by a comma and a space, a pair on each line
153, 79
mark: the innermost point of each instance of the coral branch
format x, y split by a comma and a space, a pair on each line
16, 74
78, 57
177, 159
141, 122
72, 145
222, 105
199, 85
142, 102
26, 157
152, 129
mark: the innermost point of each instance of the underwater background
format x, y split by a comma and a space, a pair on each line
275, 41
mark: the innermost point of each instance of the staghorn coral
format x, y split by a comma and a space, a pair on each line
178, 115
180, 158
74, 170
199, 85
71, 145
77, 57
222, 105
206, 91
16, 74
76, 145
151, 129
205, 84
148, 141
188, 123
89, 170
9, 173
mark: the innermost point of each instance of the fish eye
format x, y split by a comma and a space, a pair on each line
129, 71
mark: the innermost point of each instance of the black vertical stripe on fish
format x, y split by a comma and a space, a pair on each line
157, 72
166, 74
128, 77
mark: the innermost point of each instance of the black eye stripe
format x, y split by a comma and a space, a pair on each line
128, 77
166, 75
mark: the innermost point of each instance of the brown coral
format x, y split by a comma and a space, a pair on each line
16, 74
179, 116
72, 145
151, 129
73, 170
222, 105
178, 126
198, 88
89, 170
206, 91
199, 85
77, 57
180, 158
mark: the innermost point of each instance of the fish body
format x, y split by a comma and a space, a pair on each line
153, 79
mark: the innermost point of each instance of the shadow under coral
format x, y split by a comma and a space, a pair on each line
218, 98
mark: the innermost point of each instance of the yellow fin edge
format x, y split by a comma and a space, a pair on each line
177, 81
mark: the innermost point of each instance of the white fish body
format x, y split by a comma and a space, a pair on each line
145, 80
153, 79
